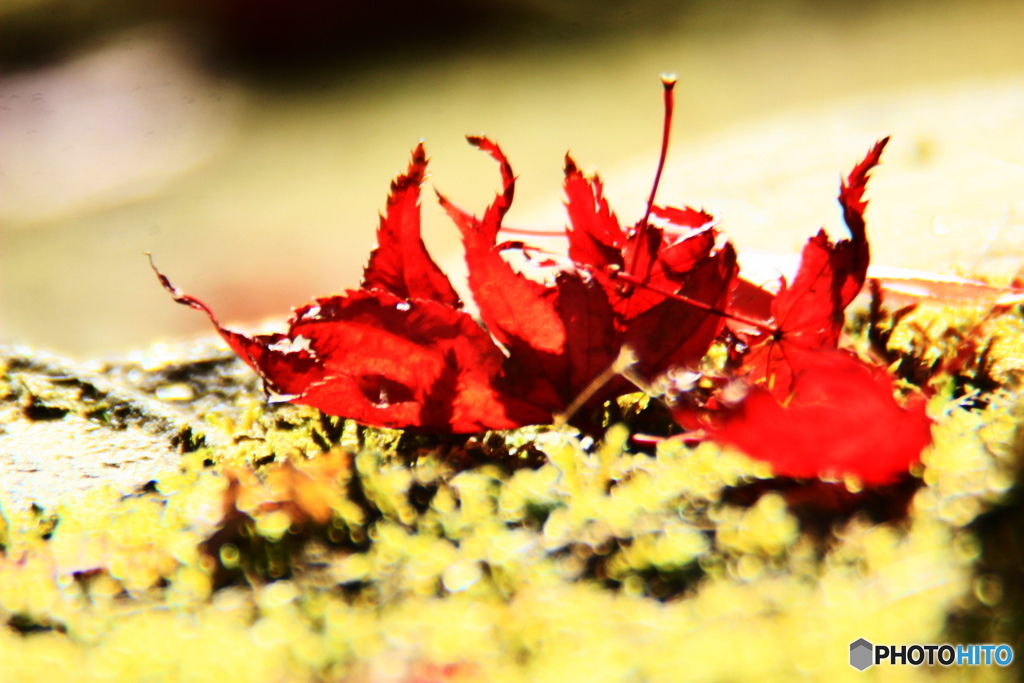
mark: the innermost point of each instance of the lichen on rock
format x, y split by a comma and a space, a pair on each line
278, 544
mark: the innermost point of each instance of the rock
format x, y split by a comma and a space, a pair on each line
67, 427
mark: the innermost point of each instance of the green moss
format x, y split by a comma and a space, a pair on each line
315, 550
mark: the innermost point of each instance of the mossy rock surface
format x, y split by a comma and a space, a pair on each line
162, 522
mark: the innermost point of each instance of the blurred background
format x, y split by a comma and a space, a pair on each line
248, 144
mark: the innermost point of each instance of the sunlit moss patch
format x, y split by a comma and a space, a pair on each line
300, 547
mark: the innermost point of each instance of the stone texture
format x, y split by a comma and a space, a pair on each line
67, 427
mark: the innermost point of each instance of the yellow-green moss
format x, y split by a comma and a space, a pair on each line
316, 551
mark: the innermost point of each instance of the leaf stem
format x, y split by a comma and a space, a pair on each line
623, 364
669, 83
633, 280
537, 232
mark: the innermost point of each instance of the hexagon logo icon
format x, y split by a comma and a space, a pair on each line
861, 654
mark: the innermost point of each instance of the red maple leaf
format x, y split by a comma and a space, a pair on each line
812, 408
807, 314
401, 352
561, 336
840, 418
